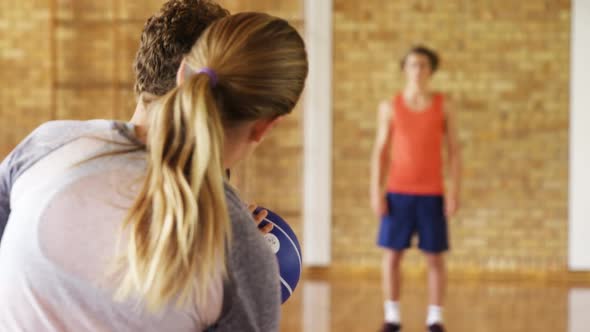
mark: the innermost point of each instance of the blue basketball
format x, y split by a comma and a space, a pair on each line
283, 242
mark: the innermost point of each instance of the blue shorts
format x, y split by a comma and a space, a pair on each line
410, 214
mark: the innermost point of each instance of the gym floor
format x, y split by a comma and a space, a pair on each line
354, 304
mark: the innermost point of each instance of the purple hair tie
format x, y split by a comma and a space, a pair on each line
211, 75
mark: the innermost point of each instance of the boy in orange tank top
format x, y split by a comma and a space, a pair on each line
407, 190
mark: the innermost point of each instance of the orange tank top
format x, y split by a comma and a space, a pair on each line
416, 166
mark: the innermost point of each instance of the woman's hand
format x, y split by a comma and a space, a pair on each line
259, 217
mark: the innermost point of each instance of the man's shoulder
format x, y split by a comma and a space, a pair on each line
70, 127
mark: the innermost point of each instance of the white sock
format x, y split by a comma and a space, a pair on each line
392, 314
434, 315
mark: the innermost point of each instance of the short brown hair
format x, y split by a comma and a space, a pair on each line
432, 56
167, 36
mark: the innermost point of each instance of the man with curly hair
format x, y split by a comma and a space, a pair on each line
248, 300
166, 37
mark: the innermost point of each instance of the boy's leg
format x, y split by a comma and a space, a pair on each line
437, 283
392, 284
392, 274
395, 233
433, 233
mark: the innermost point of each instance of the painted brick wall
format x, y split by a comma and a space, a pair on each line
506, 66
66, 59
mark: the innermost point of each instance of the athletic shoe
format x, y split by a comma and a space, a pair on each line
436, 328
390, 327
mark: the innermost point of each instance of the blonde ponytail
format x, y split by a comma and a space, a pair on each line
178, 227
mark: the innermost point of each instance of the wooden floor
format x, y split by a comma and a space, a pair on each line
355, 305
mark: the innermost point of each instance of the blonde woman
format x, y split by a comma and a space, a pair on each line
130, 227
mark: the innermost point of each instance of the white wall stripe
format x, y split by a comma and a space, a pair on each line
317, 135
579, 230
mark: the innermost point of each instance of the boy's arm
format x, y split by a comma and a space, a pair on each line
381, 158
454, 159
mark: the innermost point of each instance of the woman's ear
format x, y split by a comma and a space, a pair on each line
262, 127
183, 72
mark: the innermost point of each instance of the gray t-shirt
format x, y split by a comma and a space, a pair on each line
59, 224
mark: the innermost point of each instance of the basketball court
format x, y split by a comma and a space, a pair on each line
518, 76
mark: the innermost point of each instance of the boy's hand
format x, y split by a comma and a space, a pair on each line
379, 205
259, 217
451, 205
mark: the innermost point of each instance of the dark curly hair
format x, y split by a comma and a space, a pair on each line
167, 36
432, 56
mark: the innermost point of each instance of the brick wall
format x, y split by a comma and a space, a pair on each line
25, 66
506, 66
71, 59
